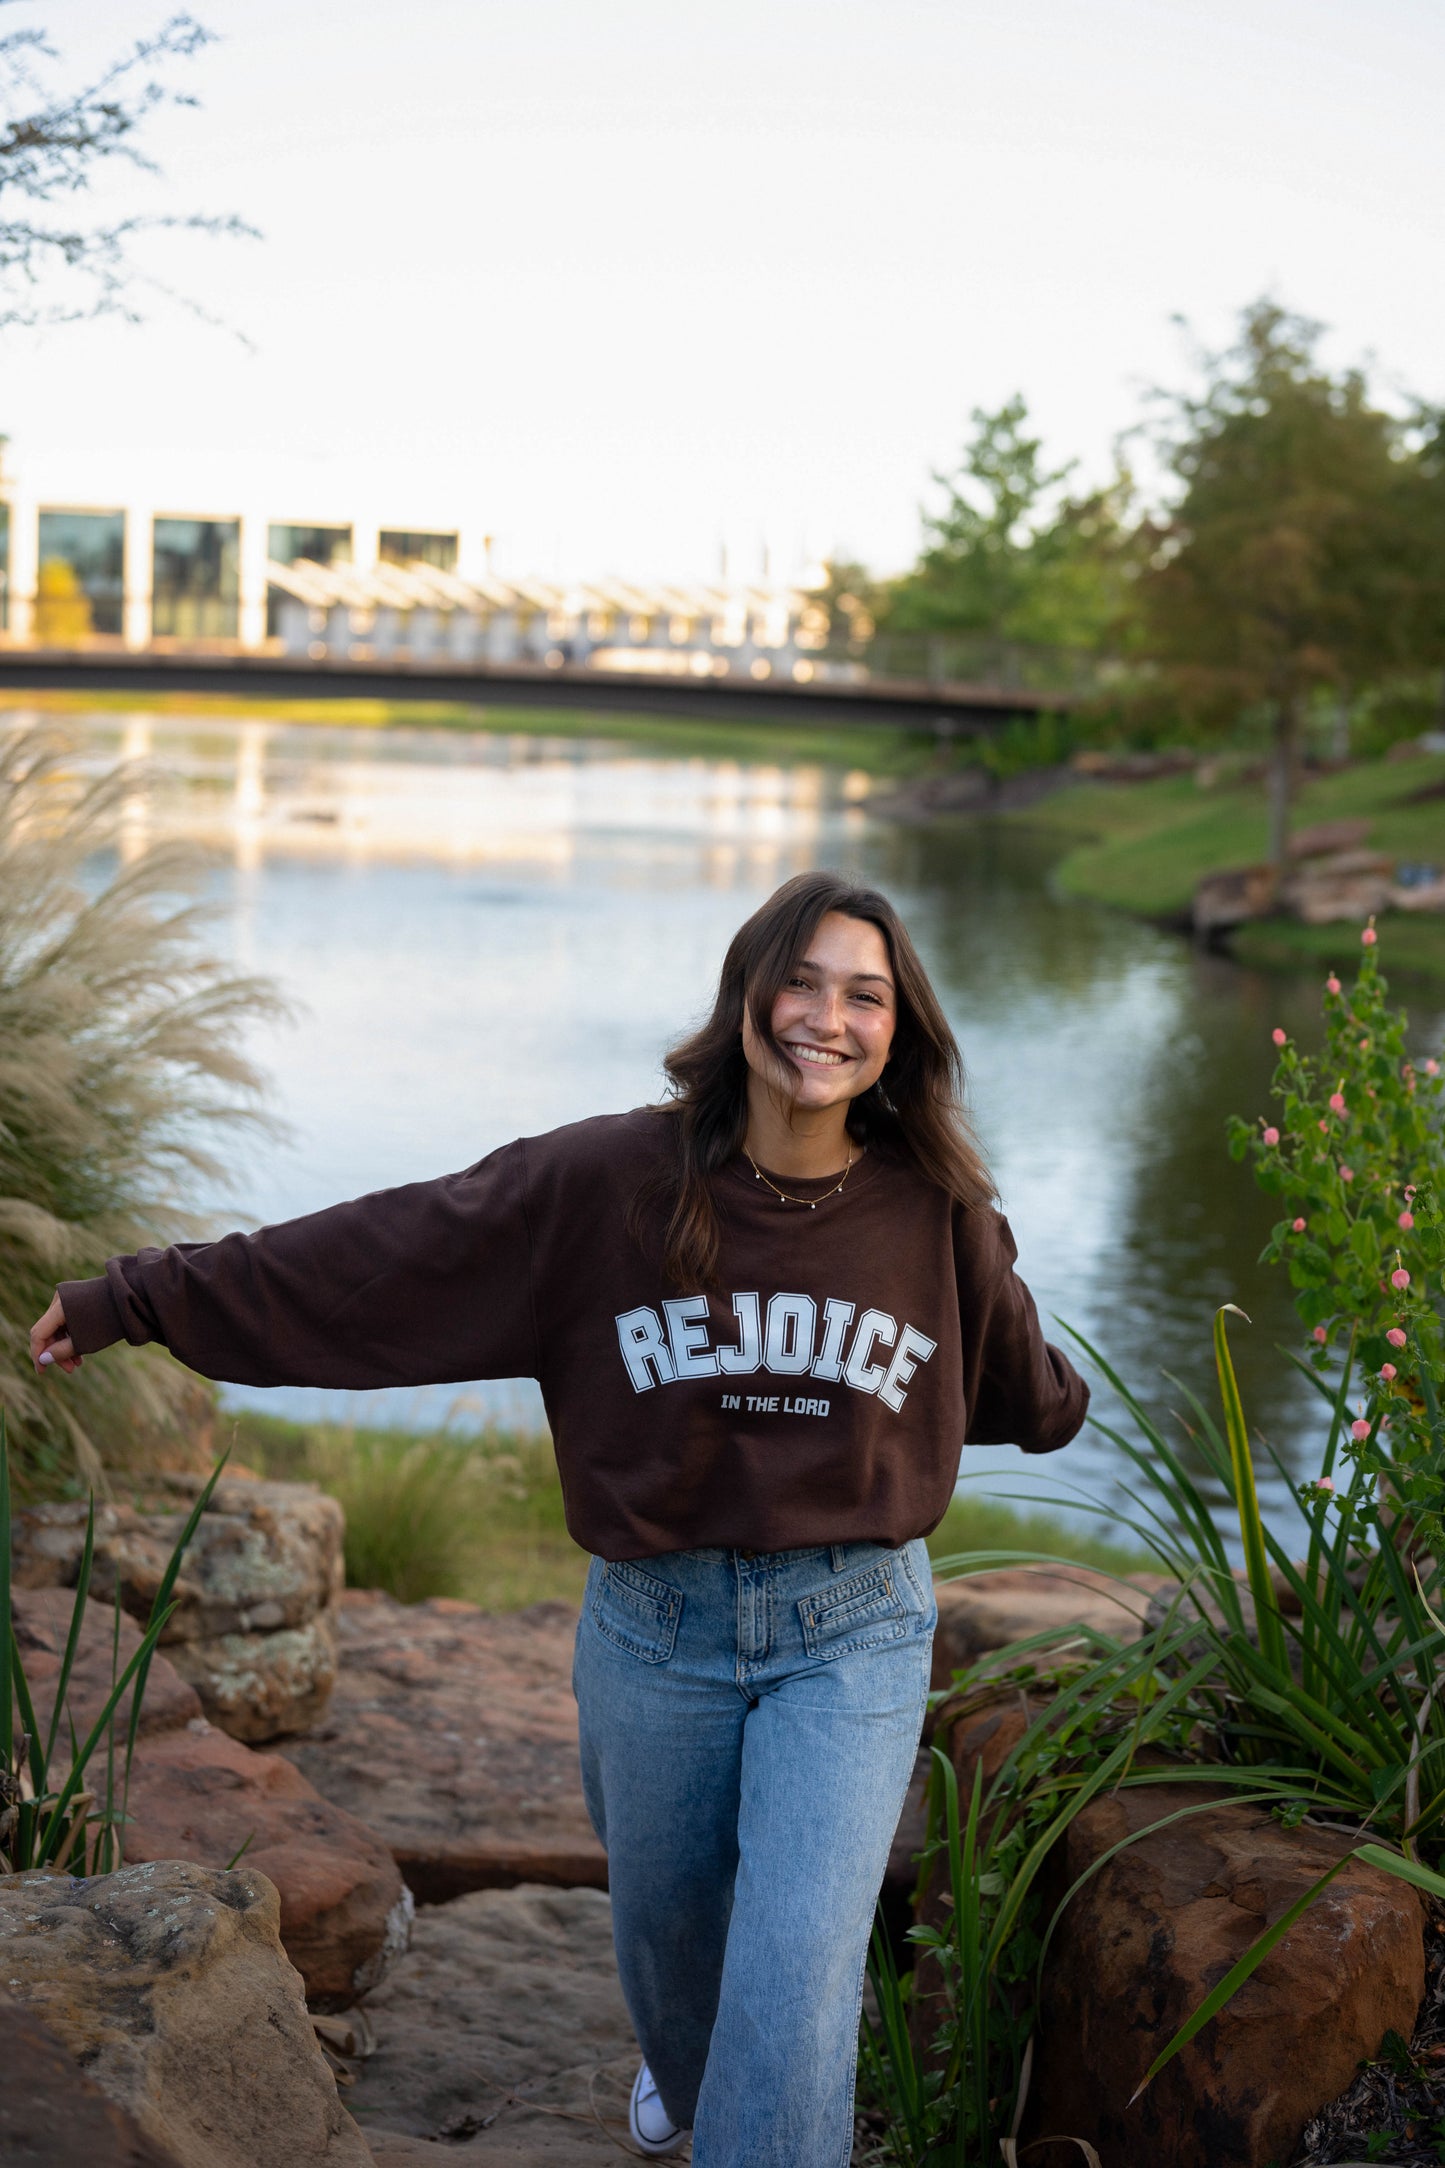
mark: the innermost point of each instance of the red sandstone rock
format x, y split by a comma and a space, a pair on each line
1157, 1927
42, 1622
198, 1795
453, 1734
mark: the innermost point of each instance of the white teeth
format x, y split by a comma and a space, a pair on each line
817, 1055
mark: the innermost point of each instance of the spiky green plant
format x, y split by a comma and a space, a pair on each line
49, 1814
121, 1061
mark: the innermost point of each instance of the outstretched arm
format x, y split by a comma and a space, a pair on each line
426, 1284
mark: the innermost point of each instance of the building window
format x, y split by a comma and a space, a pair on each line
80, 584
402, 546
318, 545
195, 583
4, 568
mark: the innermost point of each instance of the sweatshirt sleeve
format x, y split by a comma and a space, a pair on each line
426, 1284
1019, 1390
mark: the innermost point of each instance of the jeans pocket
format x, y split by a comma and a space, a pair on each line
860, 1611
637, 1611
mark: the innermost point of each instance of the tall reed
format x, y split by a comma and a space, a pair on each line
122, 1068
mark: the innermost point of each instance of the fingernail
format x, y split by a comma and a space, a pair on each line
47, 1357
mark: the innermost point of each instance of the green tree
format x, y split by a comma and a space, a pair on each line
1011, 557
1285, 565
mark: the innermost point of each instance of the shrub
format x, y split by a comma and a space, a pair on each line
120, 1057
1356, 1155
435, 1513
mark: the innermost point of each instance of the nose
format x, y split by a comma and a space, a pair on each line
825, 1013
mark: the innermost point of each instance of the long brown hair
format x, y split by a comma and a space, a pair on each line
915, 1108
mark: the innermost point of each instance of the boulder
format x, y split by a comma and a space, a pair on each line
1345, 885
1227, 899
42, 1625
169, 1986
987, 1611
345, 1914
197, 1794
252, 1629
263, 1686
502, 2034
453, 1734
1156, 1928
52, 2116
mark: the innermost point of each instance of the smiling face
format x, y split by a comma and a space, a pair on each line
834, 1018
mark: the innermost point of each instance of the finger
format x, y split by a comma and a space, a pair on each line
60, 1352
48, 1327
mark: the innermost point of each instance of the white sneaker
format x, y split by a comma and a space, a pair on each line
651, 2126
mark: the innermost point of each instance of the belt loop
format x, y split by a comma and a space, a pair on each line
838, 1554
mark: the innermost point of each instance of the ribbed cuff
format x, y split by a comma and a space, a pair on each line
91, 1316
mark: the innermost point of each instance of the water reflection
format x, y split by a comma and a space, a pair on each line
494, 934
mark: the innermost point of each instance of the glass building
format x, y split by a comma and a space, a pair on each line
80, 584
402, 546
318, 545
195, 581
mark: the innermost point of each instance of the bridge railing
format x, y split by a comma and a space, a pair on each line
939, 659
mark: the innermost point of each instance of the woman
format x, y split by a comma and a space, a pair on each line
765, 1317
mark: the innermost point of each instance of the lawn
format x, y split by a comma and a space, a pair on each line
1143, 847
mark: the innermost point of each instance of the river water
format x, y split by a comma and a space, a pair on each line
486, 934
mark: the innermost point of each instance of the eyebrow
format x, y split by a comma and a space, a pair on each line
876, 978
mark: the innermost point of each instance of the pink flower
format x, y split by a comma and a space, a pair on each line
1337, 1102
1400, 1278
1271, 1136
1369, 937
1406, 1219
1279, 1037
1347, 1174
1332, 985
1361, 1429
1321, 1335
1299, 1226
1364, 1046
1395, 1337
1324, 1125
1325, 1483
1409, 1191
1387, 1372
1432, 1068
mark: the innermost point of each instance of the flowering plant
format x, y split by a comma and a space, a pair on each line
1356, 1154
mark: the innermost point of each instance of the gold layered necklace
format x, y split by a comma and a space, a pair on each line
811, 1202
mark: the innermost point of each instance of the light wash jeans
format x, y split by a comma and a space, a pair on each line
749, 1724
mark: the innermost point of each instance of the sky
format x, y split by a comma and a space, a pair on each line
628, 284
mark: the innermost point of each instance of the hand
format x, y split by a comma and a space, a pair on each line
50, 1342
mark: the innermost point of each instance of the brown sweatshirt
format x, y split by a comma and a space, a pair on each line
819, 1395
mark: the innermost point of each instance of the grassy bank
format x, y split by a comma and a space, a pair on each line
875, 750
1143, 847
481, 1518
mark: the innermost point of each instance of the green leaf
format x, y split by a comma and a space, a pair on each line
1405, 1870
1251, 1528
7, 1706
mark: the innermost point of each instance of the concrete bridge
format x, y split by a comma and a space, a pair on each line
941, 710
